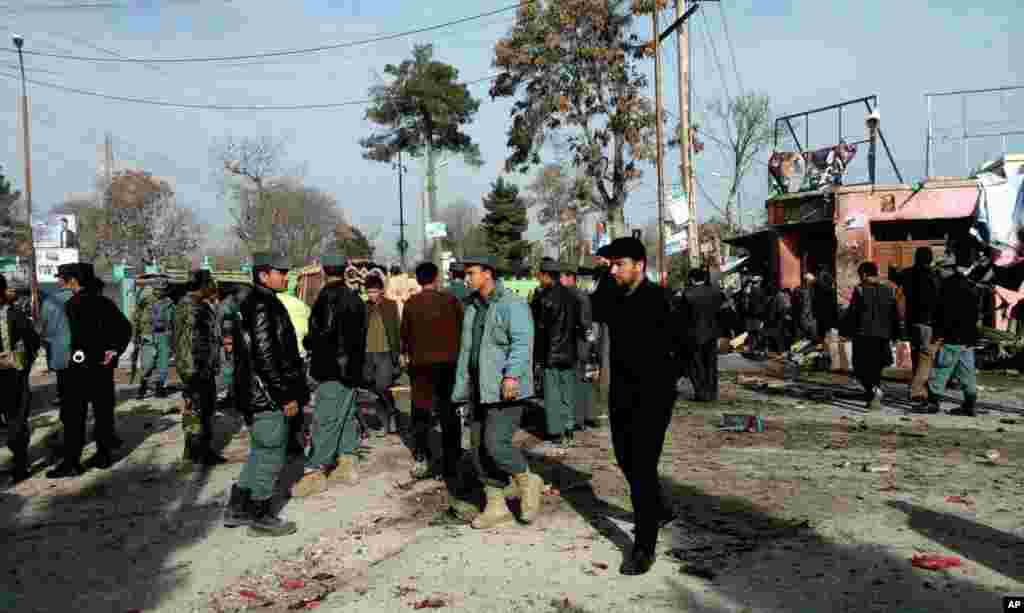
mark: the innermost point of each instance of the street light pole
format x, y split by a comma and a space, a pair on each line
402, 245
19, 42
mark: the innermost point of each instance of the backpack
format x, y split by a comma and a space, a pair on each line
184, 322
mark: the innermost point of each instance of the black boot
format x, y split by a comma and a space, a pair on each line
393, 422
102, 460
65, 469
161, 392
967, 408
265, 523
640, 560
141, 395
239, 511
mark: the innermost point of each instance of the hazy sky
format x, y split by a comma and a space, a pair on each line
802, 53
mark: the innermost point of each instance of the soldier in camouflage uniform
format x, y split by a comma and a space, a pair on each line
152, 322
198, 343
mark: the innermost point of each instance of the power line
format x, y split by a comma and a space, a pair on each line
732, 49
269, 54
721, 72
208, 107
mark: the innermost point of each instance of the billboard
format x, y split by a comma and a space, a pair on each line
55, 231
48, 259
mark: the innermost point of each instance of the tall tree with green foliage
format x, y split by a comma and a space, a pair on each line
423, 111
10, 228
747, 121
574, 68
505, 223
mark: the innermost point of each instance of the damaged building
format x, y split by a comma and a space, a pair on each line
818, 222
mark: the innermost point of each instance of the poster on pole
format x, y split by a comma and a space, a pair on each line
677, 243
55, 231
48, 259
437, 229
678, 207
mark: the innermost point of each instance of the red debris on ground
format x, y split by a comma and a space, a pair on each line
934, 561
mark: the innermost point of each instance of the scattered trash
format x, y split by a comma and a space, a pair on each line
993, 456
881, 468
741, 423
1008, 420
913, 434
934, 561
293, 584
960, 500
251, 595
323, 577
431, 603
845, 464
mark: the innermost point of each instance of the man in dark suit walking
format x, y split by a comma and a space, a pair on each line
699, 309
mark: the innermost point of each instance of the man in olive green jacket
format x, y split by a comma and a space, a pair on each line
495, 375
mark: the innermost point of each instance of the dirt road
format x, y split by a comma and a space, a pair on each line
821, 512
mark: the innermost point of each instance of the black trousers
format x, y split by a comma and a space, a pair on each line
203, 394
16, 404
88, 384
639, 418
442, 380
870, 356
704, 371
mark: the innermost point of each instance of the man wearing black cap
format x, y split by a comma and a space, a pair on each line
100, 333
699, 309
645, 351
337, 348
19, 344
270, 386
197, 346
555, 350
495, 376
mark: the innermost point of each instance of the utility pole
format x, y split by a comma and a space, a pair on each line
658, 106
686, 160
33, 275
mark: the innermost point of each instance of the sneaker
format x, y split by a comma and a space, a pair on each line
875, 402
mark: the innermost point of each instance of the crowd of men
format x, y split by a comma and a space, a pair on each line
473, 351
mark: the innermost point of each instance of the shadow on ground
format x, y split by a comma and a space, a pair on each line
106, 541
750, 560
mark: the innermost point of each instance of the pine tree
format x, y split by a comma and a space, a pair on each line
10, 228
505, 223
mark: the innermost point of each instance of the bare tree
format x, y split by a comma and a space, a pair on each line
305, 220
140, 220
460, 217
748, 125
560, 199
242, 167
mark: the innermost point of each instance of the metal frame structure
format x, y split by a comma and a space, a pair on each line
870, 102
965, 136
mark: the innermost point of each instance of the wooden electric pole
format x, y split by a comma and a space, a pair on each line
686, 142
658, 110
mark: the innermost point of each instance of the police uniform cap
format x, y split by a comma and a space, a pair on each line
270, 260
485, 261
333, 260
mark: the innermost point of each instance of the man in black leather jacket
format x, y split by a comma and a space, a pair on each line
270, 387
100, 333
557, 321
699, 308
337, 331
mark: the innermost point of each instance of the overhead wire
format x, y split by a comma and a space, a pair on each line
280, 53
732, 49
210, 107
